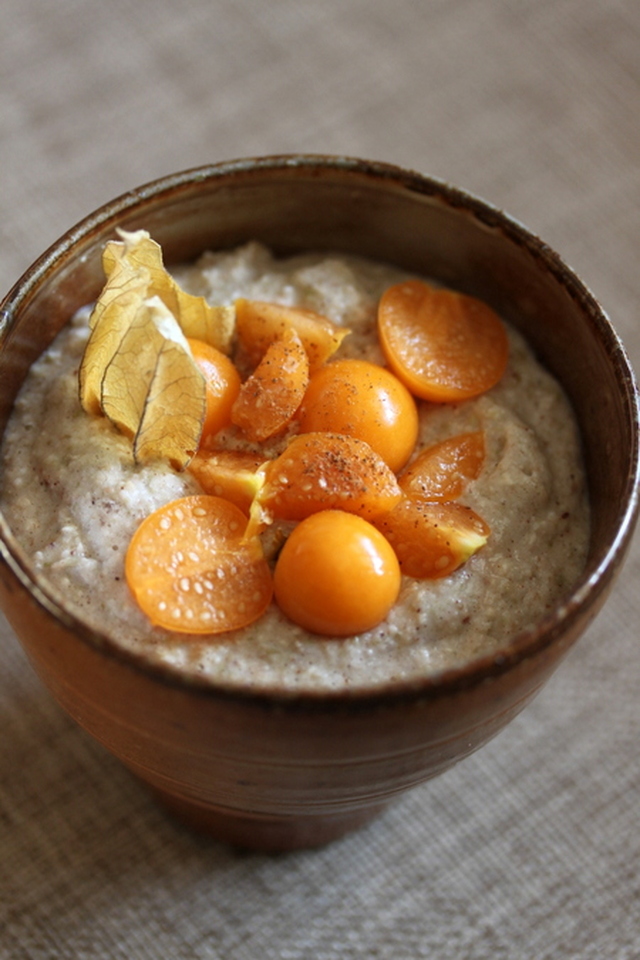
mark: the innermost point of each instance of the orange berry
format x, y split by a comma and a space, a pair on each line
269, 398
320, 471
432, 539
259, 323
191, 571
336, 575
442, 471
444, 346
230, 474
363, 400
223, 385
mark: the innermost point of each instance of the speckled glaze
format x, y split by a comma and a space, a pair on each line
277, 772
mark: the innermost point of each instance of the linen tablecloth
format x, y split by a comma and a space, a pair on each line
531, 847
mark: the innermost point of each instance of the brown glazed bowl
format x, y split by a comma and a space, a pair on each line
272, 771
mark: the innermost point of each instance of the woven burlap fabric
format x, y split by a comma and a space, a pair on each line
528, 849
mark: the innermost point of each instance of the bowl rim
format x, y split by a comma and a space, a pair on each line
526, 644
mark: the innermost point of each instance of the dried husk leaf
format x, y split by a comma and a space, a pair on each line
127, 377
138, 369
111, 318
213, 324
198, 319
171, 421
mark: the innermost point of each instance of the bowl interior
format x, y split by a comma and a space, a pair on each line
314, 203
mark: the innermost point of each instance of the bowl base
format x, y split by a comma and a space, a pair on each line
262, 833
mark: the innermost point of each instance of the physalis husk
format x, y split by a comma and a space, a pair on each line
138, 369
199, 320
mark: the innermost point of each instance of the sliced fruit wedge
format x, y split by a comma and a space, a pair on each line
443, 470
269, 398
432, 539
259, 323
322, 471
231, 474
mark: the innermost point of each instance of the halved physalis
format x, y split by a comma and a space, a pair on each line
259, 323
336, 575
191, 570
230, 474
222, 385
444, 346
320, 471
432, 539
269, 398
363, 400
443, 470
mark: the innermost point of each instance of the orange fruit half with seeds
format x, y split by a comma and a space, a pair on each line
320, 471
443, 345
230, 474
191, 570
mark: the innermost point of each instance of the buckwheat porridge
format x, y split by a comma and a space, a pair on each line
74, 498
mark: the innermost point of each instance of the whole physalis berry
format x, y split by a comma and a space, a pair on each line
445, 346
336, 575
191, 568
361, 399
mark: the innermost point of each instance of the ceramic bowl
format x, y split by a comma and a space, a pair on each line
275, 771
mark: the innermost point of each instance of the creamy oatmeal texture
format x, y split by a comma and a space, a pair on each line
74, 498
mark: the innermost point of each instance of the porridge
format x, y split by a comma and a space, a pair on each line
75, 497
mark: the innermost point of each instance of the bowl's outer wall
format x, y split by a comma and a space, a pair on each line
297, 759
273, 756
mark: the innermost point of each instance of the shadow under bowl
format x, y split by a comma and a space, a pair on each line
270, 770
